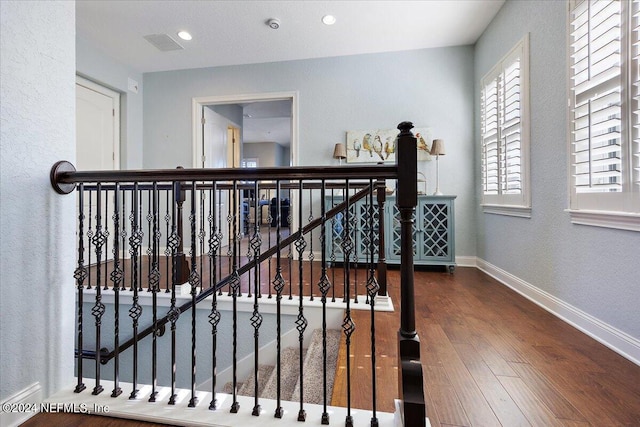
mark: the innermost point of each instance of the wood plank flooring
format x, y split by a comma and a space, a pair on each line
490, 358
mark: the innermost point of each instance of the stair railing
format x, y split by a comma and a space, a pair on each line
122, 232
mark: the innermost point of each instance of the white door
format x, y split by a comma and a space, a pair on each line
97, 127
214, 147
97, 147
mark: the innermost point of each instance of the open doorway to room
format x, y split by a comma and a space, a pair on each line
249, 131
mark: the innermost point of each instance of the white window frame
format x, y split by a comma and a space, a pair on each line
613, 209
502, 202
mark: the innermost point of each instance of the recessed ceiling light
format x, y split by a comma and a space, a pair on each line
184, 35
328, 20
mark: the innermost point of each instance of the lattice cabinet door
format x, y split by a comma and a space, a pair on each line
336, 233
394, 247
433, 233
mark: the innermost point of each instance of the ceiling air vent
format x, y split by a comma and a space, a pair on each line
163, 42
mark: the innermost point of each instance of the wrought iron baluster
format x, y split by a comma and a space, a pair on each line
98, 308
154, 286
372, 289
215, 240
324, 285
80, 275
202, 234
135, 241
141, 227
220, 193
167, 249
256, 317
311, 255
247, 226
194, 281
333, 252
174, 242
348, 324
123, 236
89, 237
290, 262
150, 234
301, 321
234, 287
106, 240
356, 258
278, 286
116, 277
231, 246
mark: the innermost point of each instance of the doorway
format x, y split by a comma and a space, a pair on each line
97, 126
218, 110
218, 101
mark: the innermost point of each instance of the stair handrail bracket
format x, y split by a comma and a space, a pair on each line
153, 245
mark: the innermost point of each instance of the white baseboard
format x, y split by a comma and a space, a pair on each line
466, 261
21, 406
617, 340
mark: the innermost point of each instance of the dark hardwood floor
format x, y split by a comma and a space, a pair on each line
490, 357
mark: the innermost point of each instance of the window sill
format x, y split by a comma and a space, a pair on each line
618, 220
508, 210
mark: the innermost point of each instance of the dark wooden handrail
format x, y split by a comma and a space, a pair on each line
64, 176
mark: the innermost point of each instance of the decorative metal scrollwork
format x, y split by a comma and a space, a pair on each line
348, 326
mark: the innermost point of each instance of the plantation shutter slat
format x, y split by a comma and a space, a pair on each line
490, 118
510, 129
597, 109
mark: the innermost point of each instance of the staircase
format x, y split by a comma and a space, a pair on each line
290, 376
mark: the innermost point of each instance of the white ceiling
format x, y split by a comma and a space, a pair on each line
235, 32
267, 121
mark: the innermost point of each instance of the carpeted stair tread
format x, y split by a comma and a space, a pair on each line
290, 373
264, 372
313, 367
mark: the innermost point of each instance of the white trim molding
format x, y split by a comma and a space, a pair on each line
509, 210
21, 406
619, 220
617, 340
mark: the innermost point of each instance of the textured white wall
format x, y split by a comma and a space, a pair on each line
430, 87
594, 269
37, 71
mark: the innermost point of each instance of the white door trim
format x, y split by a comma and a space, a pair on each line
198, 102
115, 96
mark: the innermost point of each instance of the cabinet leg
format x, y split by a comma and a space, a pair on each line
452, 269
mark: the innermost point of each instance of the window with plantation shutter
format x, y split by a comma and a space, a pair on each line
505, 136
604, 134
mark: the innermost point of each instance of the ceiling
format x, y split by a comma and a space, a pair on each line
235, 32
227, 32
267, 121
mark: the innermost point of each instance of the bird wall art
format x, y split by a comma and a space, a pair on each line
375, 146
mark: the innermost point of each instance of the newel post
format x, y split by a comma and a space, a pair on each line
410, 380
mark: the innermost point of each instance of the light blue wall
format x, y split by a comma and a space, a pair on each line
593, 269
92, 64
37, 70
431, 87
